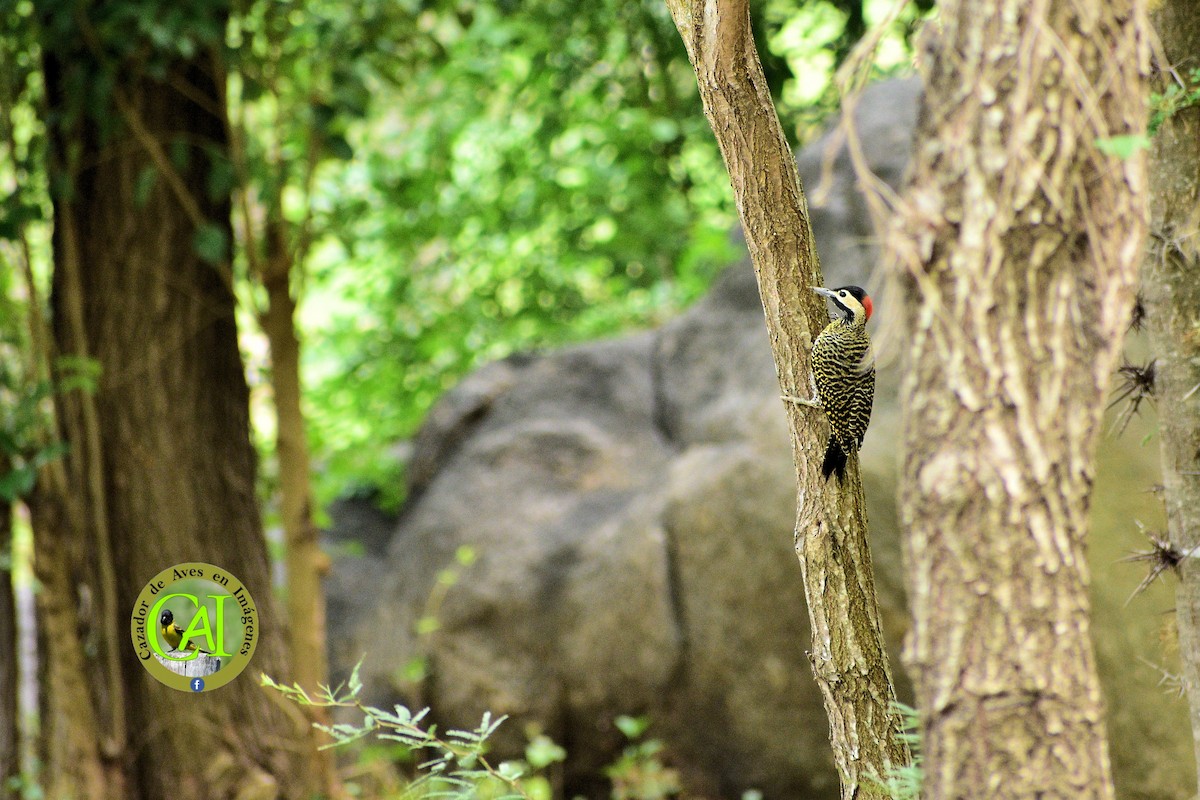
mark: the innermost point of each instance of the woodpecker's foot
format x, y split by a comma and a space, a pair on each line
802, 401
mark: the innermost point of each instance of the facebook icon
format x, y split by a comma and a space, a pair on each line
197, 684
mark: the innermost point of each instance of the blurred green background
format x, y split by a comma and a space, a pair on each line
471, 179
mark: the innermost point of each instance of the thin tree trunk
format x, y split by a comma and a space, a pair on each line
275, 251
162, 461
849, 656
1017, 245
1171, 290
305, 562
10, 750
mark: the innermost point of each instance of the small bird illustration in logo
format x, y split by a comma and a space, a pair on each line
172, 633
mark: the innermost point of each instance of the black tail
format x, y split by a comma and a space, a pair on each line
835, 460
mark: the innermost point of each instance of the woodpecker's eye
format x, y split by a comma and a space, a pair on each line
841, 294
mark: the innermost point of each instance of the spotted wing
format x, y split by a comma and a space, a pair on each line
844, 371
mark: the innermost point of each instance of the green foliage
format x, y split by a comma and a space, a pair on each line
95, 44
814, 37
1123, 147
458, 179
1176, 97
639, 774
537, 174
27, 440
526, 175
416, 669
454, 765
22, 135
903, 782
542, 751
24, 786
212, 244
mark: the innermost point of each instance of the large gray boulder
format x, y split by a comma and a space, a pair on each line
629, 505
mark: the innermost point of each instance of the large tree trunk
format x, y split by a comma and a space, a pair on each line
1018, 247
161, 459
69, 741
1172, 298
848, 655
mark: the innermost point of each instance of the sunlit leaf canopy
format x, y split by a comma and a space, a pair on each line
463, 180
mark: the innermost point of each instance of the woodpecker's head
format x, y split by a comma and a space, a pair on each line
852, 302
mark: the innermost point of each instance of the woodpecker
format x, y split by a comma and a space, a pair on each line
844, 375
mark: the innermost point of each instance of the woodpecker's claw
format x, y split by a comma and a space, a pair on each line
802, 401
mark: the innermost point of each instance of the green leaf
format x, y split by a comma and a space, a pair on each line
221, 178
323, 115
18, 482
339, 148
542, 751
354, 684
77, 373
16, 215
211, 243
144, 184
1123, 147
415, 670
511, 770
180, 153
251, 89
632, 727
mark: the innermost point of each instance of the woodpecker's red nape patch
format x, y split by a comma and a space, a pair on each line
868, 306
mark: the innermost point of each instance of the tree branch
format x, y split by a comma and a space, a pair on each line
848, 655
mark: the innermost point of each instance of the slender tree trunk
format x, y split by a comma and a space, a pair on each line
276, 250
305, 561
1018, 247
10, 750
161, 459
848, 652
1171, 289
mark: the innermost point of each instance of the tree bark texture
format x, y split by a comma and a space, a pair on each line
848, 652
161, 462
69, 733
1171, 291
1017, 244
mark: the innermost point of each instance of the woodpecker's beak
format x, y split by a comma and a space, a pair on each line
824, 291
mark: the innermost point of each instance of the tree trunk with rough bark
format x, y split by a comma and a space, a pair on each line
161, 462
1017, 244
1171, 288
848, 654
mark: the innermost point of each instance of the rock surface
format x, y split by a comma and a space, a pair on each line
628, 506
